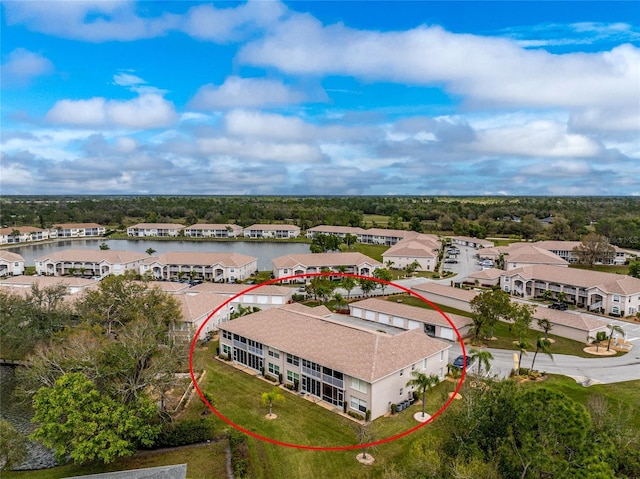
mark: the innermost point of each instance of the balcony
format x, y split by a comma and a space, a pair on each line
311, 372
339, 383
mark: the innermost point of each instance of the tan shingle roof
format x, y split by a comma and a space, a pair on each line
572, 320
412, 249
233, 289
424, 315
195, 307
77, 225
45, 281
21, 229
489, 273
209, 226
337, 229
197, 258
364, 354
95, 256
9, 256
323, 259
442, 290
273, 227
156, 226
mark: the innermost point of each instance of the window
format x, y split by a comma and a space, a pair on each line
359, 404
291, 359
401, 391
226, 334
616, 298
401, 372
274, 354
442, 355
359, 385
292, 377
274, 369
226, 349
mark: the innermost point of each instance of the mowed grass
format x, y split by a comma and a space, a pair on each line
203, 462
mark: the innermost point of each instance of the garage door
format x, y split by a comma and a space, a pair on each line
446, 333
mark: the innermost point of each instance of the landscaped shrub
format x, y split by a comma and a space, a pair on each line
239, 446
394, 408
367, 415
271, 378
189, 431
355, 415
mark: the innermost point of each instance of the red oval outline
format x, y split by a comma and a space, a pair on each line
329, 448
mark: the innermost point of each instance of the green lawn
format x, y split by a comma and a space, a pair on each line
371, 250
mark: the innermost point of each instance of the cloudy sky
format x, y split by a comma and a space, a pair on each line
346, 98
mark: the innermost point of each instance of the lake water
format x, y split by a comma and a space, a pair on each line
264, 251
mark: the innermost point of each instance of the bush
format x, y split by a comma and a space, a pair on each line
367, 416
189, 431
394, 408
355, 415
271, 378
239, 446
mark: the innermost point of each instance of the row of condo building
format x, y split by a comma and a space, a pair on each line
529, 277
364, 360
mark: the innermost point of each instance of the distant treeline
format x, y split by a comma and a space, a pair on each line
563, 218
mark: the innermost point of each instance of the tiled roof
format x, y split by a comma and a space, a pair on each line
489, 273
21, 229
530, 254
364, 354
571, 320
424, 315
412, 249
94, 256
386, 232
76, 225
156, 226
46, 281
337, 229
233, 289
608, 282
197, 258
208, 226
323, 259
9, 256
195, 307
273, 227
443, 290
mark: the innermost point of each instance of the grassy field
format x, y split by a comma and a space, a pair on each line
236, 395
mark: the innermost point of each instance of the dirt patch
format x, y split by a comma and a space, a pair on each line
601, 351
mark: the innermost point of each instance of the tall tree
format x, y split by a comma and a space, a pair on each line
367, 285
384, 275
543, 346
348, 283
613, 328
487, 308
423, 383
594, 248
482, 358
76, 420
546, 326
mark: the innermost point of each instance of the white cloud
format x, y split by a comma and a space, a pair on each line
145, 111
127, 79
22, 66
245, 92
484, 70
207, 22
535, 139
267, 125
259, 150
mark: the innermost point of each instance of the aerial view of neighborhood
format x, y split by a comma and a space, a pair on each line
278, 239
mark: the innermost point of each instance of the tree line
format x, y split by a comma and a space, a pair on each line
566, 218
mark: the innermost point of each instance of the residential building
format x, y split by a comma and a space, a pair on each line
11, 264
213, 231
341, 231
220, 267
263, 297
404, 316
472, 242
566, 251
487, 278
383, 236
23, 284
351, 368
297, 264
609, 293
572, 325
418, 249
85, 262
196, 309
154, 229
517, 255
77, 230
22, 234
272, 231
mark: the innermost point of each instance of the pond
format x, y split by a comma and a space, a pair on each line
264, 251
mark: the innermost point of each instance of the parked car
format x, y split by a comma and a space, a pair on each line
559, 306
459, 361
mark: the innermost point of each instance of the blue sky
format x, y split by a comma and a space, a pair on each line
322, 98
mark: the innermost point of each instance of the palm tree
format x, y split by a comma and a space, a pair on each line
272, 396
150, 251
546, 326
482, 358
600, 336
521, 345
348, 283
614, 328
543, 345
423, 383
